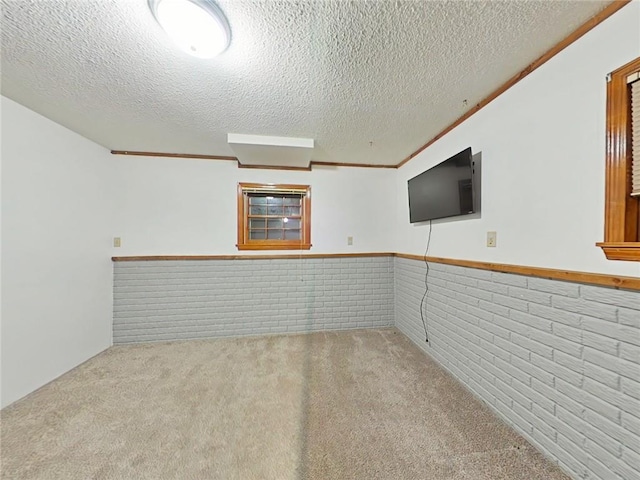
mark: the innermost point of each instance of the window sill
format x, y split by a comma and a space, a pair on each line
274, 246
629, 251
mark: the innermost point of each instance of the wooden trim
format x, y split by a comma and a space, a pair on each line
173, 155
408, 256
621, 224
358, 165
241, 216
594, 21
235, 159
632, 283
629, 251
306, 224
275, 187
274, 167
313, 163
155, 258
616, 281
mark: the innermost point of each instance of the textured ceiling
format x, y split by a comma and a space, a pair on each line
370, 81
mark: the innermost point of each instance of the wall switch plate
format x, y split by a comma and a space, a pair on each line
117, 241
349, 240
492, 239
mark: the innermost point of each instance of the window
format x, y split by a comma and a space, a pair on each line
274, 217
622, 195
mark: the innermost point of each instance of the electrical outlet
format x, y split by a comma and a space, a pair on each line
349, 240
117, 242
492, 239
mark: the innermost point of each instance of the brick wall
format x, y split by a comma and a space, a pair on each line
169, 300
558, 361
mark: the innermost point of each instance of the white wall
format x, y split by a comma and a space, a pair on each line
169, 206
56, 268
542, 144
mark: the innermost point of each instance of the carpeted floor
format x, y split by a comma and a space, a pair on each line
364, 404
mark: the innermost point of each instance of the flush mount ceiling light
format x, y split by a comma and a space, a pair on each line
197, 26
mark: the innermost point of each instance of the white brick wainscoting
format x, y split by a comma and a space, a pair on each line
170, 300
558, 361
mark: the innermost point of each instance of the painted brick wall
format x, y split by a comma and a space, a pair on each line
558, 361
169, 300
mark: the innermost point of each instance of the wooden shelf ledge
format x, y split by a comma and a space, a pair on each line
629, 251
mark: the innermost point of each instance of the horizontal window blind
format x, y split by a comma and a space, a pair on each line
635, 134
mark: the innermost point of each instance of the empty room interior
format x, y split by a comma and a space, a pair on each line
320, 239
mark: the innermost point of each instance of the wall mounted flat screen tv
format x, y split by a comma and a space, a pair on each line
445, 190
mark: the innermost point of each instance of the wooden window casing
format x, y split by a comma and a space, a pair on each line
247, 217
622, 210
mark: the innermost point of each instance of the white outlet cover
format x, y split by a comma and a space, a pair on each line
492, 239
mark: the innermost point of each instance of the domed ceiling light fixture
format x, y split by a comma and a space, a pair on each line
197, 26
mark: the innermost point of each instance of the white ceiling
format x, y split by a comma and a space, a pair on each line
370, 81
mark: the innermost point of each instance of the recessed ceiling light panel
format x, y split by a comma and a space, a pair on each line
197, 26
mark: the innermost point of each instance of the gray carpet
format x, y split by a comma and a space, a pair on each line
364, 404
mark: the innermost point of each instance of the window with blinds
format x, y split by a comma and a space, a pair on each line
622, 183
634, 85
274, 217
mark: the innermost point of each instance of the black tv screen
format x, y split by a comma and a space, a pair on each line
445, 190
